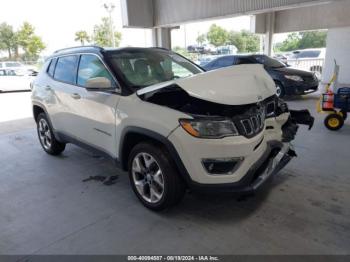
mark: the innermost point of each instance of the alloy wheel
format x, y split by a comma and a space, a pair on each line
278, 90
148, 177
45, 134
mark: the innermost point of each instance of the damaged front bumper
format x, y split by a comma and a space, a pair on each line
276, 156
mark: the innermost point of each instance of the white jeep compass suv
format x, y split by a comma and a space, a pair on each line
159, 116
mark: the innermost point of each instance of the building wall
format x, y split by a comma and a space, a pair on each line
338, 47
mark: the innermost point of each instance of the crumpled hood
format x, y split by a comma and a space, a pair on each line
236, 85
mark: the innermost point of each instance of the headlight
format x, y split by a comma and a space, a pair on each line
209, 128
294, 78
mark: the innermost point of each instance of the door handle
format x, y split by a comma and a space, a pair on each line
76, 96
48, 88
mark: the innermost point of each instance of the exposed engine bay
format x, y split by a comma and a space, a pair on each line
176, 98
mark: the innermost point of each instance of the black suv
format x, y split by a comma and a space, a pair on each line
289, 81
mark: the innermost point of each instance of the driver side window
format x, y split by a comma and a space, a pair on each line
90, 66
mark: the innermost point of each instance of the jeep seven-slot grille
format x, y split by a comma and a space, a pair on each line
251, 123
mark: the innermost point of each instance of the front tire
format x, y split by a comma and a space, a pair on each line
47, 138
153, 177
280, 92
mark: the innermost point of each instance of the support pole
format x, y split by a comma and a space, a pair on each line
161, 37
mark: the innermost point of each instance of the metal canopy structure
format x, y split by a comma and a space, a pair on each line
168, 13
271, 16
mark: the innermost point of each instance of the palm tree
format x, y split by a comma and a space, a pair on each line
82, 36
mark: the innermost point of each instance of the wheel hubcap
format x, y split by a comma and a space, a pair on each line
278, 90
148, 177
333, 122
44, 134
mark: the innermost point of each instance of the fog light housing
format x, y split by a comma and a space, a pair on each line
221, 166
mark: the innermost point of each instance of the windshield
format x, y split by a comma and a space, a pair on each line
145, 67
270, 62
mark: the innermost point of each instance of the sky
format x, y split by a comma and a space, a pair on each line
57, 21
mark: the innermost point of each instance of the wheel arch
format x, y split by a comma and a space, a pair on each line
37, 109
131, 136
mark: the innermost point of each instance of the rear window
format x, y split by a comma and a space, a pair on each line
66, 69
245, 60
225, 61
51, 68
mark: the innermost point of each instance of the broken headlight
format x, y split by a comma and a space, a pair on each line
209, 128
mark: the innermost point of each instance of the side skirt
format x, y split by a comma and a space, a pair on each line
64, 138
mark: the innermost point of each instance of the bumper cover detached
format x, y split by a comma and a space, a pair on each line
276, 156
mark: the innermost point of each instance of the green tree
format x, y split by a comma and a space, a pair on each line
217, 35
102, 36
201, 39
302, 40
313, 39
34, 47
291, 43
31, 44
7, 39
82, 37
245, 41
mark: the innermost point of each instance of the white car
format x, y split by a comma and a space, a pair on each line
11, 65
311, 59
15, 80
168, 123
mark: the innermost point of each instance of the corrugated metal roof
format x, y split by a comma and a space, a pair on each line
172, 12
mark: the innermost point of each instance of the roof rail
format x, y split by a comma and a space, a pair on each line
79, 47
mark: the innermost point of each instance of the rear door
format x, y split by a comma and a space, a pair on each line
62, 86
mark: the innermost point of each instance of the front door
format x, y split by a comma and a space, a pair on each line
94, 117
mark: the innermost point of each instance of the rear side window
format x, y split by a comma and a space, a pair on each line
90, 66
51, 68
66, 69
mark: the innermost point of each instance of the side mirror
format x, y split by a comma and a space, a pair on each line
98, 83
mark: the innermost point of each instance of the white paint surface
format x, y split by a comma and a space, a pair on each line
338, 48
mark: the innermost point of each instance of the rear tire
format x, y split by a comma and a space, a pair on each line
46, 136
334, 122
344, 114
153, 177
